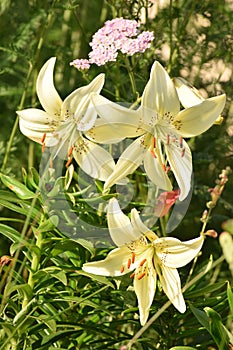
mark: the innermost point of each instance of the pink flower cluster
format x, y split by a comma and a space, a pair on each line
116, 35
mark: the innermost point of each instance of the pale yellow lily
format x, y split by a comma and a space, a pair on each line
160, 127
62, 124
142, 251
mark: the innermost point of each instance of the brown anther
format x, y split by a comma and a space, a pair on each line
43, 147
70, 151
141, 276
181, 142
43, 138
122, 269
153, 153
164, 167
182, 152
69, 161
133, 257
129, 263
142, 262
154, 142
132, 275
168, 139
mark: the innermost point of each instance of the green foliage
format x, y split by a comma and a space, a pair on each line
47, 301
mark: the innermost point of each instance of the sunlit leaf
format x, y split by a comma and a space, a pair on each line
100, 279
182, 348
217, 329
230, 298
17, 187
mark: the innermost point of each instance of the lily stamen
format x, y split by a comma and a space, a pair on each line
70, 151
142, 262
129, 263
122, 269
181, 142
43, 138
133, 257
141, 276
182, 152
69, 161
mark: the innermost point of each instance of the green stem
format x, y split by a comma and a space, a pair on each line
34, 265
131, 77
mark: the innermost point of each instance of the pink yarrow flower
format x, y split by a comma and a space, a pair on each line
80, 64
116, 35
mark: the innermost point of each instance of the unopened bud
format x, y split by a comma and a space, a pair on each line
210, 204
211, 233
4, 260
204, 215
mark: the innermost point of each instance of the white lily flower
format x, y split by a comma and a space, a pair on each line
142, 251
161, 126
62, 124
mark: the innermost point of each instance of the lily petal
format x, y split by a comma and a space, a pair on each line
195, 120
46, 91
156, 173
35, 135
174, 253
170, 281
119, 225
112, 265
115, 117
137, 224
78, 104
93, 159
188, 95
180, 161
160, 93
145, 291
129, 161
36, 116
113, 132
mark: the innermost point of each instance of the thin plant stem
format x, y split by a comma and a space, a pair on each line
131, 77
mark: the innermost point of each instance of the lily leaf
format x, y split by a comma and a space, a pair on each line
217, 329
14, 185
182, 348
230, 298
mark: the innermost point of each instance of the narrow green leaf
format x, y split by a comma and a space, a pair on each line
100, 279
24, 289
11, 234
230, 298
50, 323
53, 271
86, 244
17, 187
48, 224
217, 329
182, 348
22, 209
206, 290
201, 317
